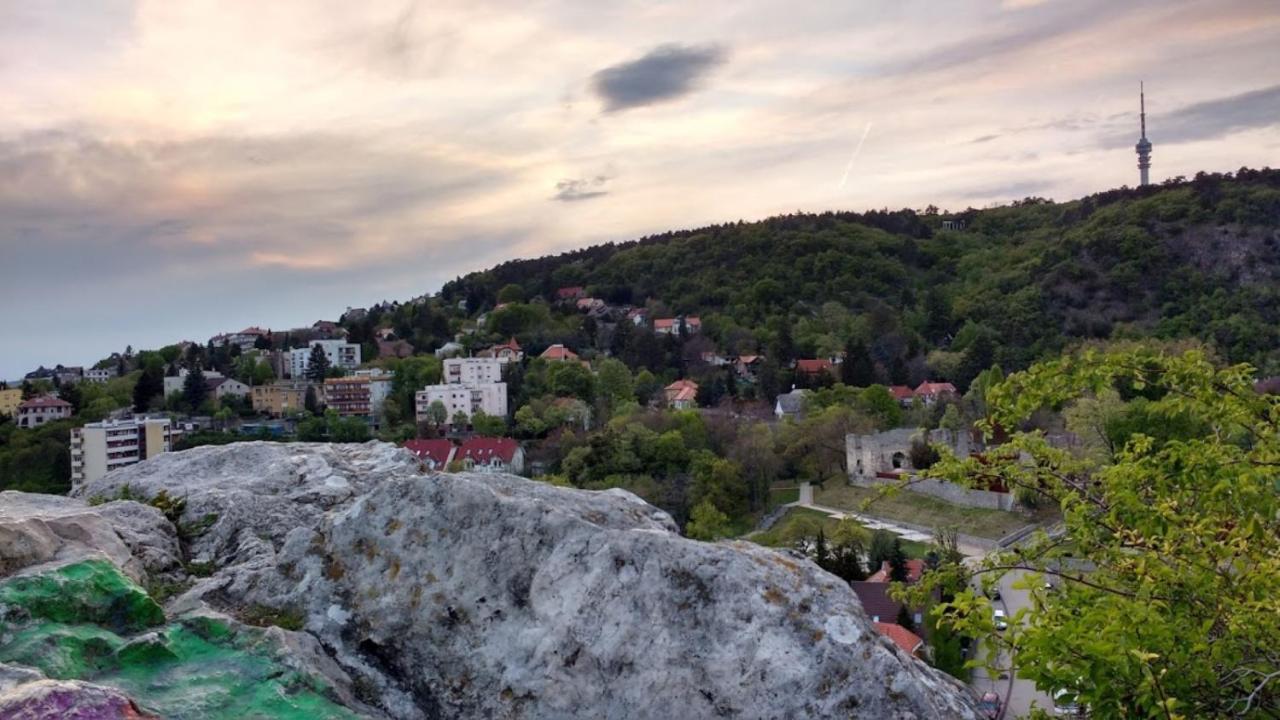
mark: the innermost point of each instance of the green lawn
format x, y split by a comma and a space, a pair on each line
912, 507
782, 496
783, 532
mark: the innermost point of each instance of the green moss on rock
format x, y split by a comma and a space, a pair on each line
92, 592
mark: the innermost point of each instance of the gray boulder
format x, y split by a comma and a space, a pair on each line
477, 595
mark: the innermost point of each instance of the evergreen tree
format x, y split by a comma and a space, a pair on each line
857, 370
905, 619
846, 560
897, 562
311, 402
881, 548
150, 385
194, 390
821, 555
317, 364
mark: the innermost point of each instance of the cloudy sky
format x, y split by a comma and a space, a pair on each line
176, 168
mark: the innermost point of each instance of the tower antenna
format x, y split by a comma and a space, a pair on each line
1144, 145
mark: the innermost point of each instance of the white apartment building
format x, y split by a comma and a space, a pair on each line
98, 448
473, 370
463, 398
341, 354
100, 375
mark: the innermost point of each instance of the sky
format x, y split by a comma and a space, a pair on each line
172, 169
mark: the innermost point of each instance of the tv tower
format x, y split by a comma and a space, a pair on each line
1144, 145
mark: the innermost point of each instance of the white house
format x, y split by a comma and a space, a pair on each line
341, 354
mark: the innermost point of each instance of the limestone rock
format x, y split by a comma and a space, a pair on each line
67, 700
470, 595
36, 528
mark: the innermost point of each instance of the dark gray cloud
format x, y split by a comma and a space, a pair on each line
983, 139
1203, 120
572, 190
664, 73
1216, 118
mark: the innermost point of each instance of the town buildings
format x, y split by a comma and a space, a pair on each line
434, 454
470, 385
558, 352
491, 455
224, 387
681, 394
509, 351
790, 405
671, 326
99, 448
39, 410
279, 399
359, 395
100, 375
340, 353
246, 339
175, 383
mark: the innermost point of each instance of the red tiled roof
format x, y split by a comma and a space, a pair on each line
437, 451
559, 352
482, 449
902, 637
682, 390
570, 292
813, 367
664, 323
692, 320
875, 600
510, 344
748, 359
255, 330
915, 568
44, 401
901, 392
932, 388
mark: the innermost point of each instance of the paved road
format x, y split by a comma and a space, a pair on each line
874, 523
1017, 694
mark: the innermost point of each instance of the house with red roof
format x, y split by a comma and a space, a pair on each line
932, 392
558, 352
909, 642
903, 394
39, 410
435, 454
394, 349
491, 454
509, 351
681, 394
671, 326
571, 293
814, 367
915, 568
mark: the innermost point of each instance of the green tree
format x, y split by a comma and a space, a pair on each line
614, 381
897, 561
880, 405
437, 414
857, 370
149, 387
488, 425
317, 364
571, 379
707, 523
646, 387
881, 549
194, 389
511, 293
310, 402
1166, 570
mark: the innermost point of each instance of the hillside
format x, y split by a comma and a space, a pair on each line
1190, 258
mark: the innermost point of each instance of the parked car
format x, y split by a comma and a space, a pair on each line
1066, 705
1001, 620
989, 706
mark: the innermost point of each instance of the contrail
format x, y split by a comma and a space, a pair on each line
845, 178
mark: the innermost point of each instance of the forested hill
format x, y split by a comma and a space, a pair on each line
1196, 258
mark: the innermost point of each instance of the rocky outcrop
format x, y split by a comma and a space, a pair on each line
68, 700
464, 595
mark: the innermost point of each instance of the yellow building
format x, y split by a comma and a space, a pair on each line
280, 399
9, 400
